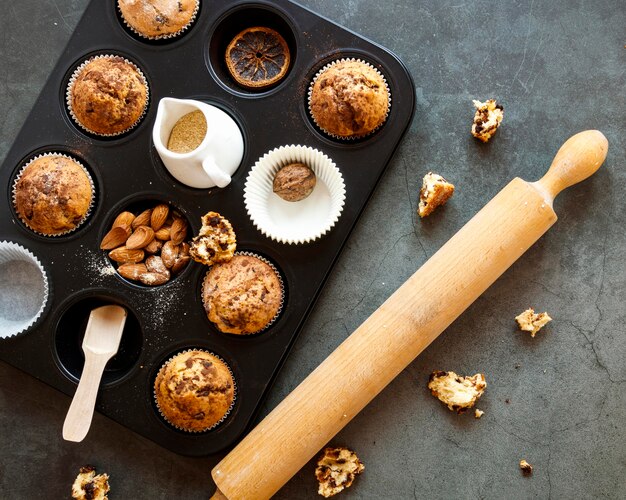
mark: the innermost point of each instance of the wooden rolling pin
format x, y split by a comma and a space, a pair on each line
401, 328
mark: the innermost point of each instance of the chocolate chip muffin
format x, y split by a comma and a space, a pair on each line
194, 390
243, 295
53, 195
349, 99
107, 95
156, 19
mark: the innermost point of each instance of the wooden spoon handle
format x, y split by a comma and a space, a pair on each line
80, 414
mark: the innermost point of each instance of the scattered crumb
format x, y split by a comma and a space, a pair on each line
435, 191
487, 119
89, 486
528, 321
336, 470
507, 401
456, 392
527, 469
517, 365
478, 413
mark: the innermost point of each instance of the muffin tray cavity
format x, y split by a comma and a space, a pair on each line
128, 174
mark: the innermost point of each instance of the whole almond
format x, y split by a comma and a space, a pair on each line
159, 216
178, 233
141, 237
153, 279
155, 264
154, 246
169, 253
163, 234
115, 237
125, 255
132, 271
124, 219
181, 263
143, 219
184, 248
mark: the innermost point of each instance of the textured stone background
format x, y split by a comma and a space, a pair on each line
558, 68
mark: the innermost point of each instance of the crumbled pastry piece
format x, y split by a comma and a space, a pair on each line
89, 486
456, 392
216, 242
336, 470
527, 469
294, 182
529, 321
487, 119
478, 413
435, 191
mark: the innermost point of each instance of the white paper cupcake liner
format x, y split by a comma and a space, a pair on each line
89, 209
352, 137
294, 222
230, 409
282, 292
70, 85
32, 294
166, 36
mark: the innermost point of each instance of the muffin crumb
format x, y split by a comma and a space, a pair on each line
336, 470
435, 191
216, 242
478, 413
487, 119
456, 392
89, 486
526, 468
532, 322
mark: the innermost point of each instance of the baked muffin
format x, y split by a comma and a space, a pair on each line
243, 295
155, 19
349, 99
53, 194
194, 390
107, 95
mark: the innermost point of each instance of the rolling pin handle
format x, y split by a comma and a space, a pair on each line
578, 158
218, 495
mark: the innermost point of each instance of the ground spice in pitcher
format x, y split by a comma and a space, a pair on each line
188, 132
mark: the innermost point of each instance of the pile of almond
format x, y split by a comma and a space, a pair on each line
149, 247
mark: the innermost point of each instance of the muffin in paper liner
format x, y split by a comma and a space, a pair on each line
301, 221
227, 412
166, 36
356, 136
87, 213
70, 86
24, 289
282, 293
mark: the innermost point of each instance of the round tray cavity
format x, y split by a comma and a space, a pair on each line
138, 206
71, 330
233, 23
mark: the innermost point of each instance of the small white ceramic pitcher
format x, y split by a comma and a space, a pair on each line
214, 160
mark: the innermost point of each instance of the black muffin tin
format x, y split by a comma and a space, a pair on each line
128, 173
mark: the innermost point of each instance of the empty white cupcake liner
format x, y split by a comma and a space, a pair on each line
91, 203
76, 73
301, 221
282, 292
13, 252
352, 137
166, 36
230, 409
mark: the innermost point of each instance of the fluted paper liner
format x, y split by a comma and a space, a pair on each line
91, 203
282, 292
230, 409
11, 253
70, 85
160, 37
350, 137
301, 221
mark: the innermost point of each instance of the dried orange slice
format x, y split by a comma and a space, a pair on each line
257, 57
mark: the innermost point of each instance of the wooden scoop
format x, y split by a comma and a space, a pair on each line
101, 341
402, 327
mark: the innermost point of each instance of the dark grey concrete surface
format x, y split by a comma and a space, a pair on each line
558, 400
